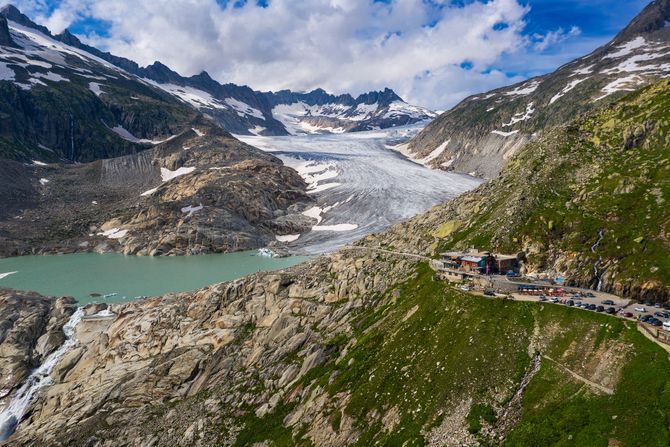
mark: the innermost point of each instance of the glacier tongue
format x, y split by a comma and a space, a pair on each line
374, 188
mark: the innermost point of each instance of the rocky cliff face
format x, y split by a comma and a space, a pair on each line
201, 192
482, 133
30, 330
279, 326
355, 348
59, 103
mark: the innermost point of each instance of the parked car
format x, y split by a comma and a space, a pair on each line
627, 315
645, 318
649, 303
554, 299
608, 303
666, 326
542, 298
513, 274
591, 307
600, 309
662, 314
657, 305
465, 288
656, 322
610, 310
639, 309
590, 295
570, 303
489, 292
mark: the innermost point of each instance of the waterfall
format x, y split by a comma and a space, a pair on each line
38, 379
596, 265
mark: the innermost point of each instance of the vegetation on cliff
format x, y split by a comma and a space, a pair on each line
587, 200
435, 365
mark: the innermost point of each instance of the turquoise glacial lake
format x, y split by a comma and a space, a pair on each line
88, 277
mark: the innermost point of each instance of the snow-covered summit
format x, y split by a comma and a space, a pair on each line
320, 112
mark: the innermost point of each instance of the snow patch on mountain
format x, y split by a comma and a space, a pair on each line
401, 108
6, 73
114, 233
49, 76
566, 89
627, 48
505, 134
524, 89
627, 84
243, 108
632, 65
287, 238
523, 116
189, 210
128, 136
582, 71
193, 96
36, 44
167, 175
433, 155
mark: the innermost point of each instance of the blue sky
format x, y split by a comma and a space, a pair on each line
597, 20
432, 52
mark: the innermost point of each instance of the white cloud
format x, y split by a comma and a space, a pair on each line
340, 45
542, 42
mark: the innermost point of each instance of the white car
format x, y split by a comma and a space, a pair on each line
640, 309
666, 325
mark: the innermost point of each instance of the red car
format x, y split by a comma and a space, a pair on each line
628, 315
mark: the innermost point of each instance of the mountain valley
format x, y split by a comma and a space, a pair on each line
402, 328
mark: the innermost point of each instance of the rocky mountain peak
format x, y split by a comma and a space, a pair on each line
68, 38
204, 76
653, 19
11, 12
385, 97
159, 72
204, 81
5, 37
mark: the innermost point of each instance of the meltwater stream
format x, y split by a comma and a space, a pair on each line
38, 379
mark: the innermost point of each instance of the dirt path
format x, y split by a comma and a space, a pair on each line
389, 252
579, 377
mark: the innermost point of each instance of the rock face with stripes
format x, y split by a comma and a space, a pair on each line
484, 131
202, 191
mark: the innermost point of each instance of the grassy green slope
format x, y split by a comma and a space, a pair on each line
424, 353
607, 171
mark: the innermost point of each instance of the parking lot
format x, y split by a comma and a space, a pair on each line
652, 314
592, 301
